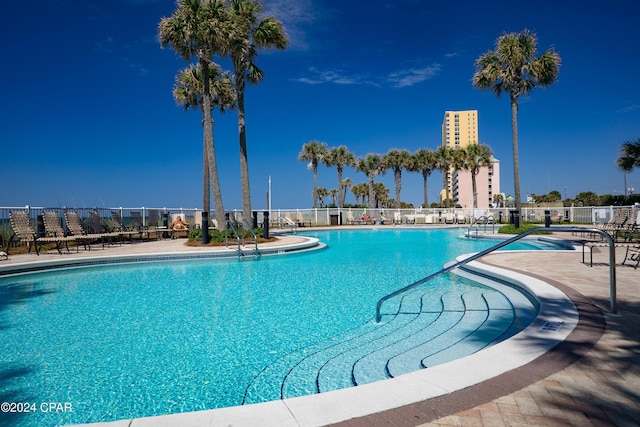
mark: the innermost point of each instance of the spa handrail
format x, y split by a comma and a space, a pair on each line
612, 264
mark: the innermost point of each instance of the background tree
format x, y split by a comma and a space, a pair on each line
444, 158
424, 161
629, 159
248, 33
340, 157
334, 193
397, 160
194, 30
498, 200
476, 156
321, 192
588, 198
314, 152
513, 68
381, 195
360, 190
371, 165
344, 186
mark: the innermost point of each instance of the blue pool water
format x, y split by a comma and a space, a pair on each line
136, 340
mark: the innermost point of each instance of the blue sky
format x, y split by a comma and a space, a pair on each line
88, 117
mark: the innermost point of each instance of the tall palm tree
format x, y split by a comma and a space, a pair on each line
514, 69
444, 158
249, 32
187, 92
425, 162
397, 160
371, 165
629, 159
476, 156
193, 30
321, 192
340, 157
314, 152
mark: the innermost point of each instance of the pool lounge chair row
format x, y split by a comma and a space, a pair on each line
96, 232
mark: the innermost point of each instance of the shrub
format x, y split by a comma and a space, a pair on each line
511, 229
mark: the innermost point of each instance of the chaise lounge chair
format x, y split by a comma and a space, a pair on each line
21, 224
74, 225
95, 222
120, 228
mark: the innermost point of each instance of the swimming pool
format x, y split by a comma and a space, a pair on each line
154, 341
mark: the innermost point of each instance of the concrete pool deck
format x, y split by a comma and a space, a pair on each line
592, 378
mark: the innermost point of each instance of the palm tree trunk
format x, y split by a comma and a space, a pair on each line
340, 197
372, 195
426, 189
315, 186
398, 178
206, 187
516, 167
474, 188
244, 161
210, 147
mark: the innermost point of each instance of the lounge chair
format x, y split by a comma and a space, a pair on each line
449, 218
74, 225
120, 228
175, 218
286, 221
138, 225
95, 223
21, 224
632, 254
301, 221
397, 218
53, 228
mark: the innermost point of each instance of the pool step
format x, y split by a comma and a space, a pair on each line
424, 331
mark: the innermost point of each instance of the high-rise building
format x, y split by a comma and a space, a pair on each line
459, 130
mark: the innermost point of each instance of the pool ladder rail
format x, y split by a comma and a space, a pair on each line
612, 264
479, 222
242, 241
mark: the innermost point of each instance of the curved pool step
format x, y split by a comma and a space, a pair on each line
423, 331
269, 384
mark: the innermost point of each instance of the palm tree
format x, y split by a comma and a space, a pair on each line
444, 158
514, 69
397, 160
629, 159
248, 33
334, 192
321, 192
423, 161
340, 157
498, 200
476, 156
344, 186
187, 92
193, 31
371, 165
314, 152
360, 190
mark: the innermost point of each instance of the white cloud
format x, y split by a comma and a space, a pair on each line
296, 16
413, 76
398, 79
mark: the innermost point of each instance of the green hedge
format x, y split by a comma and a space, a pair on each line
511, 229
218, 236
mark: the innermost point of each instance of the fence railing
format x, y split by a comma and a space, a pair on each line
319, 217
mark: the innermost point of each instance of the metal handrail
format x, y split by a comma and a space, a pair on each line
248, 227
226, 236
477, 223
612, 264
